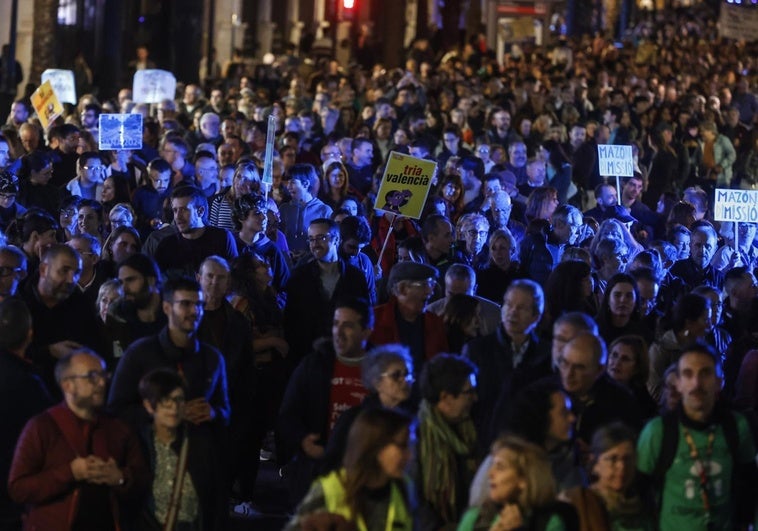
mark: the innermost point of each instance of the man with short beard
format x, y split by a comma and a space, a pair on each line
177, 346
74, 467
62, 319
182, 252
138, 313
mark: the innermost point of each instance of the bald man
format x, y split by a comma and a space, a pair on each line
596, 399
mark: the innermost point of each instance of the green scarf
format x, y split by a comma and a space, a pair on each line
440, 446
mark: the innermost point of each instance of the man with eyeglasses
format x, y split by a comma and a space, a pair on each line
315, 285
206, 173
330, 153
177, 346
90, 174
596, 399
12, 270
326, 383
475, 229
10, 209
403, 318
74, 467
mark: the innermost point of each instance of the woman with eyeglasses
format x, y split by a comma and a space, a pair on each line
188, 491
387, 374
612, 501
370, 490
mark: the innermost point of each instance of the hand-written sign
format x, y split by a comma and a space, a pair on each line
736, 205
153, 86
615, 160
63, 84
405, 184
120, 131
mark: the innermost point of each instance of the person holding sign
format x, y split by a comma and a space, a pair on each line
697, 269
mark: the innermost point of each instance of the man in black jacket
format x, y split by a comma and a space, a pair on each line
314, 286
21, 387
326, 383
596, 399
509, 358
177, 347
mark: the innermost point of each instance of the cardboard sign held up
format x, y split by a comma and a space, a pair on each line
615, 161
47, 104
405, 184
63, 84
120, 131
736, 205
153, 86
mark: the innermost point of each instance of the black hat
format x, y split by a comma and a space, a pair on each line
619, 213
410, 271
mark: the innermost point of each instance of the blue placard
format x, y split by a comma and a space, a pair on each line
120, 131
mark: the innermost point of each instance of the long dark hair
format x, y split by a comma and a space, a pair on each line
372, 431
563, 289
604, 315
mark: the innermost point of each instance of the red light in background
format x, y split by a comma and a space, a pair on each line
348, 4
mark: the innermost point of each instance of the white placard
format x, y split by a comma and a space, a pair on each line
615, 161
63, 83
120, 131
736, 205
737, 22
153, 86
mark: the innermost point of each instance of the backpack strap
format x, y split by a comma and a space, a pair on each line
731, 434
668, 447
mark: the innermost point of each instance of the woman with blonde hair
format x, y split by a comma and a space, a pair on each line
522, 493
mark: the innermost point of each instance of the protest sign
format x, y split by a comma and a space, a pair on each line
46, 103
405, 184
736, 205
63, 84
153, 86
120, 131
615, 160
738, 22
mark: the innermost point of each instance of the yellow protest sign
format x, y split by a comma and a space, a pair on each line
405, 184
46, 103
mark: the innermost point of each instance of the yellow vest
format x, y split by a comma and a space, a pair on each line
398, 518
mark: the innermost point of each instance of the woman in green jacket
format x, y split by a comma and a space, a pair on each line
521, 492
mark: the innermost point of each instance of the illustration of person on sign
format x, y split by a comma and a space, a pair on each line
394, 200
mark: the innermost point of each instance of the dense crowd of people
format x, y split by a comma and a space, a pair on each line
545, 348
